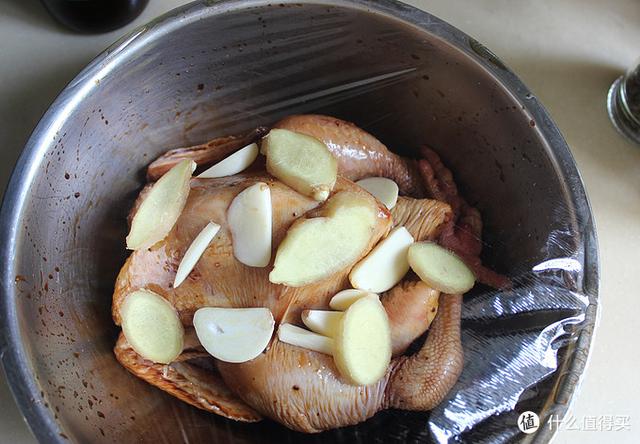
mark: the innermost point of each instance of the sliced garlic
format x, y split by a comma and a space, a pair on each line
385, 265
161, 207
323, 322
343, 299
234, 334
250, 221
294, 335
234, 164
194, 252
383, 189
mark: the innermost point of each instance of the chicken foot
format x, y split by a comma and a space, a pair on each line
463, 232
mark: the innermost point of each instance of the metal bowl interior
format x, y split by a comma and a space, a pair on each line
213, 69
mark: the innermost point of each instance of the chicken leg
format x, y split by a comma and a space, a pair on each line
421, 381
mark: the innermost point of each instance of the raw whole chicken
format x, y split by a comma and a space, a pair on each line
296, 387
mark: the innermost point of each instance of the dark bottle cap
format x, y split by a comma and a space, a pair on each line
94, 16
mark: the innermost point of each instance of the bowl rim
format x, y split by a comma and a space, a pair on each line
14, 359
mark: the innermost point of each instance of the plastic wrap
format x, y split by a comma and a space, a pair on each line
511, 341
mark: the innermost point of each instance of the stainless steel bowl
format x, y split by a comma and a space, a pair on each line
214, 68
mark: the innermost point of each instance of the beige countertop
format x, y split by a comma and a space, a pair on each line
568, 52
